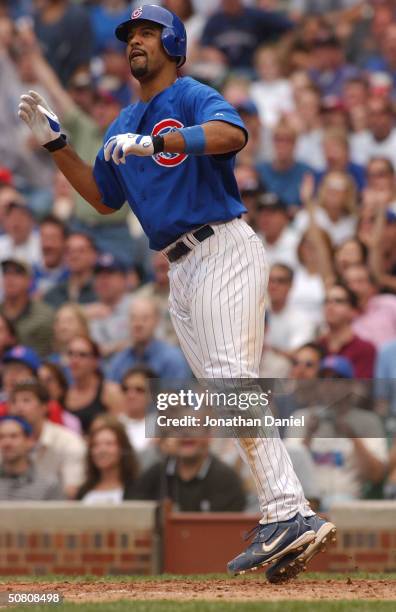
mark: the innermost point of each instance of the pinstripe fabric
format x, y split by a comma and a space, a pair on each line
217, 304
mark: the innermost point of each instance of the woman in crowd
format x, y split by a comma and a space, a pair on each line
89, 394
335, 209
349, 253
112, 467
55, 382
136, 416
70, 321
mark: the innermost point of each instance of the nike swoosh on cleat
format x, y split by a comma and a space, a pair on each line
270, 547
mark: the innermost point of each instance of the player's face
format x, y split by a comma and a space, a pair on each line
145, 52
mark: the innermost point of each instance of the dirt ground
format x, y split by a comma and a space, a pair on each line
215, 590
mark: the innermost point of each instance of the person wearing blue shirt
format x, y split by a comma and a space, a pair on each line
236, 31
171, 156
166, 360
283, 176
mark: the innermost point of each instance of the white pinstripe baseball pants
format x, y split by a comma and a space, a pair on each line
217, 303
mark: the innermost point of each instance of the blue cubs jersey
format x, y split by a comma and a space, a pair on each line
172, 193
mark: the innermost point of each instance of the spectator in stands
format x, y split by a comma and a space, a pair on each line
19, 478
51, 270
56, 450
349, 253
111, 466
347, 443
165, 360
54, 380
309, 123
89, 394
288, 327
314, 272
20, 239
272, 224
380, 139
32, 318
194, 479
271, 93
330, 70
376, 320
136, 407
80, 261
381, 175
341, 308
158, 289
109, 316
336, 150
56, 20
19, 363
283, 176
70, 321
231, 35
105, 17
385, 61
336, 208
257, 146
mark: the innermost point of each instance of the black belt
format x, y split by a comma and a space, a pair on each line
181, 248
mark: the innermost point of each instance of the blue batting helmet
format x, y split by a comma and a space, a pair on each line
174, 38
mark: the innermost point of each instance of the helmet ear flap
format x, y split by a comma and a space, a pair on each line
173, 45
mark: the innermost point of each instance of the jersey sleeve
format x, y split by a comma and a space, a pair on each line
206, 104
108, 182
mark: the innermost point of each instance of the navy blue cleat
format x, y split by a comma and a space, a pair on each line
290, 565
271, 542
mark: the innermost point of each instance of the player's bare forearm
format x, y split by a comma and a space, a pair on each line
221, 137
80, 176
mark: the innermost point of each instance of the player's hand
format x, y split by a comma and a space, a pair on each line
118, 147
36, 113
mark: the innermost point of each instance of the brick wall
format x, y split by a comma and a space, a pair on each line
68, 538
366, 537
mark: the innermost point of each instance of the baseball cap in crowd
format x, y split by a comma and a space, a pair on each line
107, 262
332, 104
337, 364
248, 107
25, 355
13, 264
270, 201
26, 427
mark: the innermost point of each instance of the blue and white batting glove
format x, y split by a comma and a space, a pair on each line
118, 147
43, 122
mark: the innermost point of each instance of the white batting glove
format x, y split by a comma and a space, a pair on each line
118, 147
36, 113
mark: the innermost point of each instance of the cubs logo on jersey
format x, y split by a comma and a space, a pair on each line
168, 160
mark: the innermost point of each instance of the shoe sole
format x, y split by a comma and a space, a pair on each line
292, 565
299, 545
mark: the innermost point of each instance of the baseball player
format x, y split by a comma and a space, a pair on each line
171, 156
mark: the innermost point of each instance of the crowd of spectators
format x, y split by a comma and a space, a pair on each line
84, 320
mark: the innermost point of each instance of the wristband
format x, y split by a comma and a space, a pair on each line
158, 144
194, 139
55, 145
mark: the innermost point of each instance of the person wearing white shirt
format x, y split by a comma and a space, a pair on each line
279, 237
380, 139
288, 327
20, 240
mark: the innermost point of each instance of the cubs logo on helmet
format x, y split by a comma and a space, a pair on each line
168, 160
137, 13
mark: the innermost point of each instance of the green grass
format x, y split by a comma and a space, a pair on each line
201, 606
193, 577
